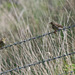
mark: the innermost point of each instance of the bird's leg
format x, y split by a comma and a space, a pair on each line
55, 31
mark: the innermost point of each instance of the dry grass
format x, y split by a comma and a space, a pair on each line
30, 18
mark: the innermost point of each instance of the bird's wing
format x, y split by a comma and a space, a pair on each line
58, 25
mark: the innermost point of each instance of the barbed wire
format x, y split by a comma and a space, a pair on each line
39, 62
71, 72
33, 38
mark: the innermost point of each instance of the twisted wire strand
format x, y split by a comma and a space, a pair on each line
39, 62
33, 38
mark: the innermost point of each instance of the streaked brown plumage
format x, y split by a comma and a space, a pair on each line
2, 42
56, 26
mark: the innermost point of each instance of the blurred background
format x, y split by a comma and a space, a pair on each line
23, 19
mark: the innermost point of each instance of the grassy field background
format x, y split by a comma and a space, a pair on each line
23, 19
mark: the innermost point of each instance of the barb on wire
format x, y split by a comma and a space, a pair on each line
39, 62
33, 38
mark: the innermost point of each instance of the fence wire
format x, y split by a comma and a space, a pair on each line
33, 38
39, 62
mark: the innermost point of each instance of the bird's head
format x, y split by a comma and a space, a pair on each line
51, 23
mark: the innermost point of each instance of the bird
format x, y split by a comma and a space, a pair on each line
56, 26
2, 42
